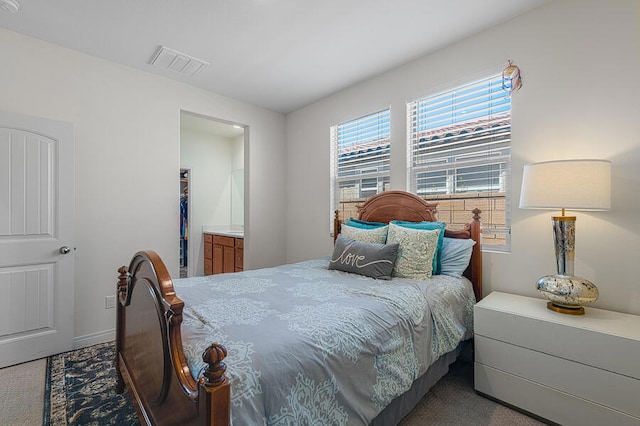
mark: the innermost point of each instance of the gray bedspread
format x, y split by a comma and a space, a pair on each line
307, 345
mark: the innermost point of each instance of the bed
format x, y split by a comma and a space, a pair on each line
304, 343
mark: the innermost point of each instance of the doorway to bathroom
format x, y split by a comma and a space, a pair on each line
212, 154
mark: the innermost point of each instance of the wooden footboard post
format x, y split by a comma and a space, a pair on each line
123, 278
214, 393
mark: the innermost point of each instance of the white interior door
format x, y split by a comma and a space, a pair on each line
36, 238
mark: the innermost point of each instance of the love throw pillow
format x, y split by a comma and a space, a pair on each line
368, 259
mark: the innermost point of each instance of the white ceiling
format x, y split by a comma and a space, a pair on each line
278, 54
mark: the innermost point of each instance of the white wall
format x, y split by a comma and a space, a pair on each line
581, 99
127, 144
237, 182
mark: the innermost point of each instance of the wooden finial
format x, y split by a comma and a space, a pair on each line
213, 356
123, 282
337, 224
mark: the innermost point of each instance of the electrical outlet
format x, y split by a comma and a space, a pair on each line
109, 302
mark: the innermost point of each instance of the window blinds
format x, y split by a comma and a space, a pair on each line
460, 147
360, 152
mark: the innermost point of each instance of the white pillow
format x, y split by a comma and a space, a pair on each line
415, 251
372, 235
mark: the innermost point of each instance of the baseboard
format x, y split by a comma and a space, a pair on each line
94, 339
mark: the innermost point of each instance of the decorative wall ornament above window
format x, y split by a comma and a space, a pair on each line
511, 78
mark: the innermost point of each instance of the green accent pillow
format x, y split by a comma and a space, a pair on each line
369, 235
416, 250
429, 226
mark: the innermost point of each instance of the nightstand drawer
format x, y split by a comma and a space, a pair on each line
602, 339
620, 393
544, 401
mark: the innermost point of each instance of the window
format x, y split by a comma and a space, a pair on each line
460, 155
360, 151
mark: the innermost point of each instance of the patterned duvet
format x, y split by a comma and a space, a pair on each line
307, 345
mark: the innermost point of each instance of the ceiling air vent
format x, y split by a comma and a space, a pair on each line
179, 62
9, 6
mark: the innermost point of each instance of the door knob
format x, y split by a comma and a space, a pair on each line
64, 249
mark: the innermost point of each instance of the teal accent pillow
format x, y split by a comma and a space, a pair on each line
371, 260
456, 255
429, 226
363, 224
367, 235
416, 250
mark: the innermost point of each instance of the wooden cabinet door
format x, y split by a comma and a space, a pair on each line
218, 259
223, 254
229, 259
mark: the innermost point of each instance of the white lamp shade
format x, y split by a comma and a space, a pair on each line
567, 184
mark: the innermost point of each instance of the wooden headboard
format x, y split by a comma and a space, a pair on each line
400, 205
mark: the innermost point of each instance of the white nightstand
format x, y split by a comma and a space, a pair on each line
573, 370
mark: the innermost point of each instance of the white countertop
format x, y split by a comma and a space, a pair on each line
228, 231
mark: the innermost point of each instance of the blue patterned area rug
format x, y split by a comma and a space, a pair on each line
80, 390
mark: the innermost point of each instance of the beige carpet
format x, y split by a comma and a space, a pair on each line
22, 393
453, 401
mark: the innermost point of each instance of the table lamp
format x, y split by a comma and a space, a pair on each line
572, 185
